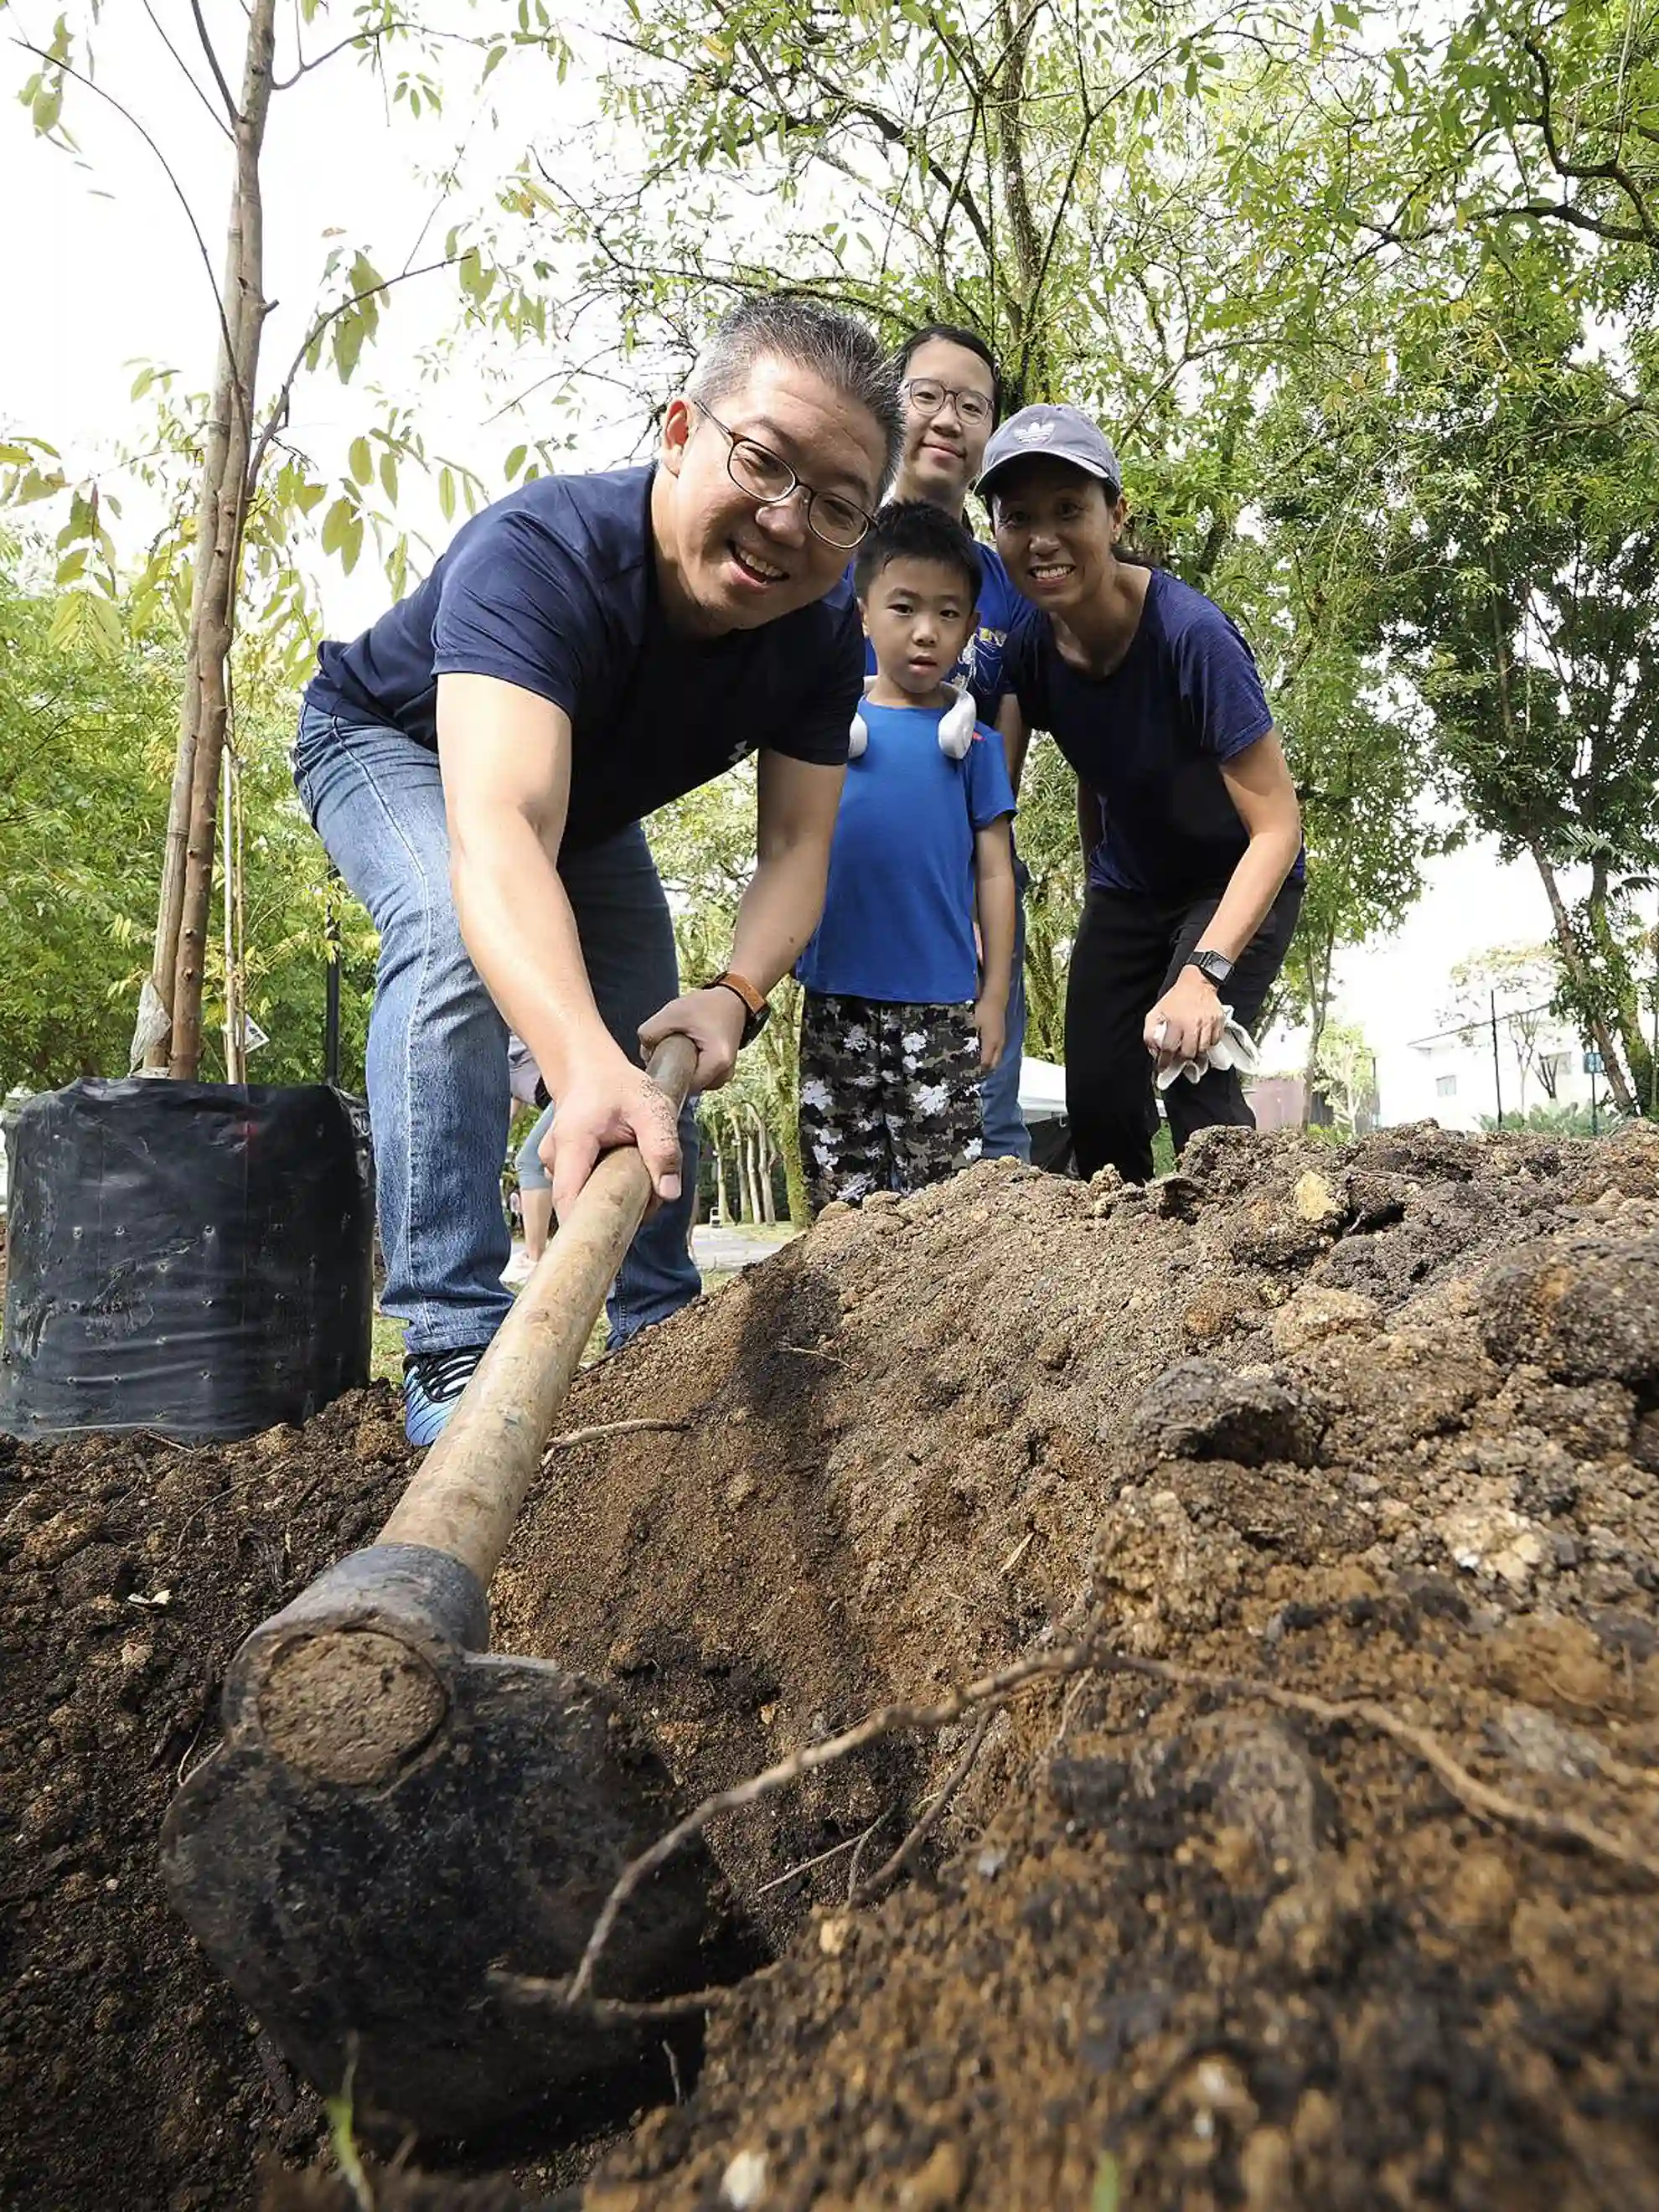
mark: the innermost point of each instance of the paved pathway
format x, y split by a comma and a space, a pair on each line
730, 1249
724, 1251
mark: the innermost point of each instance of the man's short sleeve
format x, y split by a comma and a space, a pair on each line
515, 605
1221, 686
990, 794
818, 727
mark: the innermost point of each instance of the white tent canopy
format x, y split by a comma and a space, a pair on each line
1042, 1090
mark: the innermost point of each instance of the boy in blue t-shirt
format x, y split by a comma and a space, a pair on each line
903, 1018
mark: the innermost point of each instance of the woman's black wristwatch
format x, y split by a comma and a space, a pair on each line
1215, 966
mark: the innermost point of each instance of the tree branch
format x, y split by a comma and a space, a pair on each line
367, 38
69, 69
895, 134
231, 108
1612, 170
1619, 234
274, 419
218, 120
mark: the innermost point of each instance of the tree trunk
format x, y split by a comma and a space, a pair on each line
187, 866
721, 1201
236, 1029
1014, 37
739, 1192
739, 1153
1572, 960
794, 1172
751, 1173
1319, 960
1625, 998
779, 1050
765, 1154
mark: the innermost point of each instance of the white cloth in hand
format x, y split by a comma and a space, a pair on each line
1234, 1048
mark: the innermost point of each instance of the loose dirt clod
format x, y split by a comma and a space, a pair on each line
1329, 1885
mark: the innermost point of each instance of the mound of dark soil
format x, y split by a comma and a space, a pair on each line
129, 1569
1331, 1881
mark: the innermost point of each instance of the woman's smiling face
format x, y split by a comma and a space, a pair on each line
1056, 527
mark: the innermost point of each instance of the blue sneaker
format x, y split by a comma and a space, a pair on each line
433, 1383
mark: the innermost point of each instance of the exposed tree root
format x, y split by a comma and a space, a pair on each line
984, 1696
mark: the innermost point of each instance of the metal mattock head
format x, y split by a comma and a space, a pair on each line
392, 1813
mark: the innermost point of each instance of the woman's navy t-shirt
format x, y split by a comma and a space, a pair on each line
1151, 737
553, 589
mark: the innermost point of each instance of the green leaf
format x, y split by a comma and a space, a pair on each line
362, 464
389, 475
447, 492
107, 622
46, 107
349, 333
493, 61
142, 382
84, 621
336, 523
353, 544
33, 485
515, 461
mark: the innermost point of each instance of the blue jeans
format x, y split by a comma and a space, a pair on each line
437, 1047
1006, 1136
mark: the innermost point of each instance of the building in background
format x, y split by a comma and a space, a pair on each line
1456, 1076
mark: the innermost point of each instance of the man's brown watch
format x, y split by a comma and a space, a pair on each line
755, 1011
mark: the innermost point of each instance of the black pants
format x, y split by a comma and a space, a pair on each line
1129, 950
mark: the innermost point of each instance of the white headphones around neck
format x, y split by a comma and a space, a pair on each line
955, 725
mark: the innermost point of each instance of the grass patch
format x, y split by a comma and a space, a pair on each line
386, 1350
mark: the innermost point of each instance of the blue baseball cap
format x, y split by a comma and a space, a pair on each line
1063, 434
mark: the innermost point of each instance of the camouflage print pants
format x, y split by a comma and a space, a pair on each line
889, 1095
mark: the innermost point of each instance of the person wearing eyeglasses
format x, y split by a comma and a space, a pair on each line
952, 392
479, 762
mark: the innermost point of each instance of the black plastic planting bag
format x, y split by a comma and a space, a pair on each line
196, 1258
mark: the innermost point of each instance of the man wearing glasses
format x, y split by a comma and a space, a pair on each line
478, 764
951, 394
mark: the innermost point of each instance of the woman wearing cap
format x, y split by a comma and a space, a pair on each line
1189, 821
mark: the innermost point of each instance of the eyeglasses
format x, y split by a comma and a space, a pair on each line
926, 397
768, 479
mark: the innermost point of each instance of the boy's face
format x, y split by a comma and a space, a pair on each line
918, 616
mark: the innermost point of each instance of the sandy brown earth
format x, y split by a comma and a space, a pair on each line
1333, 1879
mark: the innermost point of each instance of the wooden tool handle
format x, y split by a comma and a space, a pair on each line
465, 1497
